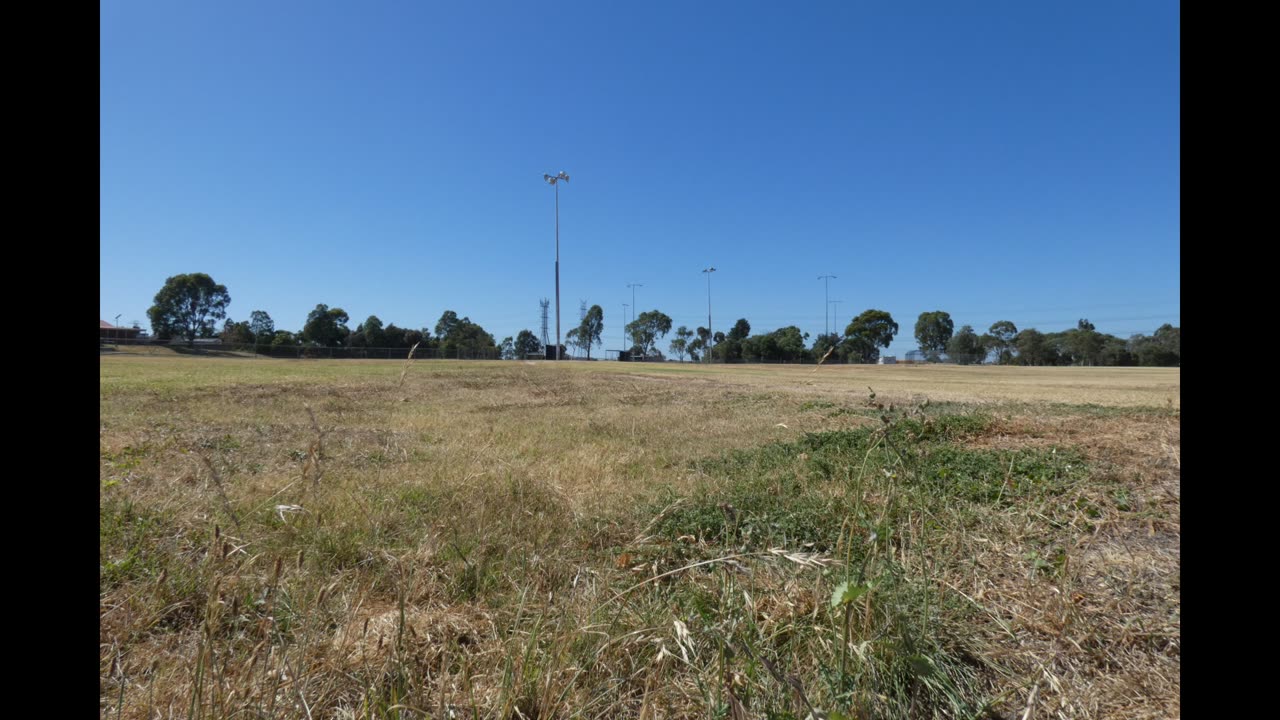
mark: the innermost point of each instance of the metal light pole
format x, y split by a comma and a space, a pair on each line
553, 179
834, 314
710, 335
826, 295
624, 324
633, 287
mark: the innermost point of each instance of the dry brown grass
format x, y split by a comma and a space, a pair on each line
453, 536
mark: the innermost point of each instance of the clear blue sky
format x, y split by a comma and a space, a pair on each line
997, 160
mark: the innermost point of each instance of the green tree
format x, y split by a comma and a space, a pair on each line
263, 328
680, 346
647, 329
590, 331
374, 336
237, 334
1000, 339
823, 343
527, 344
448, 321
1033, 348
508, 348
188, 306
695, 347
790, 343
463, 338
326, 326
1163, 349
965, 347
1084, 343
867, 333
933, 331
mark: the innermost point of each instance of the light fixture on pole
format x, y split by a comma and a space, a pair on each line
553, 179
826, 294
710, 335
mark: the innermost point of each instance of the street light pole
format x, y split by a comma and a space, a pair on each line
826, 295
633, 287
710, 334
553, 180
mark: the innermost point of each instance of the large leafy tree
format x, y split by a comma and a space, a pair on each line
823, 343
448, 321
371, 333
965, 347
326, 326
867, 333
263, 329
783, 345
261, 324
527, 344
647, 329
237, 334
188, 306
589, 332
463, 338
1164, 348
729, 348
933, 331
680, 346
1034, 348
791, 343
1084, 343
1000, 340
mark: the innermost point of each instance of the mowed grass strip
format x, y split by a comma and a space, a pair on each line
314, 539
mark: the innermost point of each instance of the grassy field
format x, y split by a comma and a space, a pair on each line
367, 539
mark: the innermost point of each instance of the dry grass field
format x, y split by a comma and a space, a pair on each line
370, 539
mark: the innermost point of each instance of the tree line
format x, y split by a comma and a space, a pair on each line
189, 307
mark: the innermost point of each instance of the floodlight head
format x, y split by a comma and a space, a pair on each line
564, 176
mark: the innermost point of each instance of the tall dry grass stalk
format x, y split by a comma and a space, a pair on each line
407, 362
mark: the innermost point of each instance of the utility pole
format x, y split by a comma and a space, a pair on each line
553, 179
633, 287
710, 334
826, 295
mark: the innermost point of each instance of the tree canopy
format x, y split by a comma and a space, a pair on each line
867, 333
188, 306
589, 332
326, 327
647, 329
933, 331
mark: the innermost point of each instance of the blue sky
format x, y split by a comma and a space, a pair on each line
997, 160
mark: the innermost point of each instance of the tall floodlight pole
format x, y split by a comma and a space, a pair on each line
826, 295
633, 287
835, 322
710, 335
554, 180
